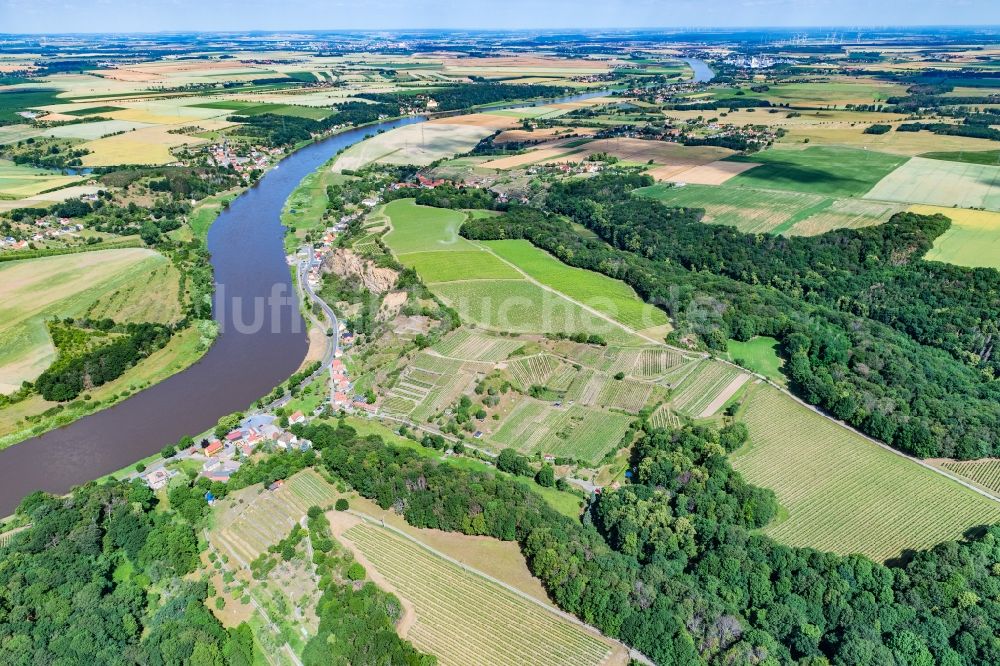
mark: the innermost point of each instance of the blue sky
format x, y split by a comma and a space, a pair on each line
160, 15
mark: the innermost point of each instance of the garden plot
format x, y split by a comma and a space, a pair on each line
941, 183
463, 617
702, 389
251, 520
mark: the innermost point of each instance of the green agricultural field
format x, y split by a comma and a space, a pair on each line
93, 110
458, 611
518, 306
611, 297
972, 240
256, 109
759, 354
18, 181
844, 494
15, 100
773, 211
829, 171
33, 290
987, 157
984, 472
424, 228
941, 183
448, 266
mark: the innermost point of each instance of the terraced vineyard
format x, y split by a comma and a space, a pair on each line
655, 363
429, 384
703, 386
845, 494
663, 417
627, 395
527, 418
463, 618
585, 434
466, 344
984, 472
532, 370
244, 531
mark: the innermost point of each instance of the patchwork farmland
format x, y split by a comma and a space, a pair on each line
459, 611
832, 483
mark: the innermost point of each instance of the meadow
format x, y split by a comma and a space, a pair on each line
459, 612
825, 170
832, 485
114, 283
972, 240
941, 183
423, 228
759, 354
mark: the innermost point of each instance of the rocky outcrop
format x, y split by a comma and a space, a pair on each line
346, 264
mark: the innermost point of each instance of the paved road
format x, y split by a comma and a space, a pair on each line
305, 289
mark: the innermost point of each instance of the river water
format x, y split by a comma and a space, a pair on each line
263, 341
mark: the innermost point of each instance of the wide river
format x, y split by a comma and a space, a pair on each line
263, 341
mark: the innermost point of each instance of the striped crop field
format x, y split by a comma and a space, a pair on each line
984, 472
702, 387
532, 370
627, 395
244, 530
464, 618
471, 346
842, 493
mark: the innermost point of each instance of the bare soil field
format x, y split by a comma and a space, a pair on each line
713, 173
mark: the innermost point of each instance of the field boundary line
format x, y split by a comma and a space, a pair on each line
635, 654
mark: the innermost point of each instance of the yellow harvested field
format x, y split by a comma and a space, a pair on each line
541, 155
477, 120
713, 173
898, 143
973, 239
418, 144
47, 198
150, 145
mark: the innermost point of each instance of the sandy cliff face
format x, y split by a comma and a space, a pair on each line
348, 265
